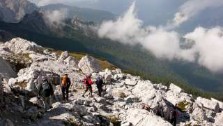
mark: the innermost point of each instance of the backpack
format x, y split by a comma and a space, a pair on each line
64, 81
99, 82
46, 89
86, 81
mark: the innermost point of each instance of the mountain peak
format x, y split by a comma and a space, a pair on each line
14, 10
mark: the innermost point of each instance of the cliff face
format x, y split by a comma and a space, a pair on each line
126, 99
13, 11
5, 69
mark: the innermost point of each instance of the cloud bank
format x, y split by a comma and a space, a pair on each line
193, 7
203, 46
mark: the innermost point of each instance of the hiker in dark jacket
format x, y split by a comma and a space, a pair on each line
88, 82
65, 85
174, 116
46, 91
99, 82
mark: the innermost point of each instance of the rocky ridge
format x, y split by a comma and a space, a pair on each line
127, 100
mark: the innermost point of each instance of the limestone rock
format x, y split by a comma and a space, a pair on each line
219, 102
208, 104
139, 117
63, 56
175, 88
89, 65
130, 82
199, 114
19, 45
219, 119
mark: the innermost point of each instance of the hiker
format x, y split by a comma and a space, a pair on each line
174, 116
65, 85
46, 91
88, 82
99, 82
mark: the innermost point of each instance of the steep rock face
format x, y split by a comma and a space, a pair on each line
14, 10
89, 65
5, 69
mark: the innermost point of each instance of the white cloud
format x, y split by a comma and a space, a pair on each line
124, 28
129, 29
204, 46
208, 44
191, 8
55, 17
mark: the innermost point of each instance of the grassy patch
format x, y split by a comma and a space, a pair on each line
105, 64
76, 55
23, 84
114, 120
183, 105
71, 122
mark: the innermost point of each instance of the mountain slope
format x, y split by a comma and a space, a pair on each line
85, 14
14, 10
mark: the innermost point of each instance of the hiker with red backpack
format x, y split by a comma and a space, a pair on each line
65, 85
88, 82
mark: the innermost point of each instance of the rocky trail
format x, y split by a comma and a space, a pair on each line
127, 100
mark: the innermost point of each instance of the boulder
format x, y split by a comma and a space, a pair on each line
145, 91
119, 76
89, 65
175, 88
198, 114
38, 57
176, 98
19, 45
130, 82
219, 102
209, 104
71, 61
108, 77
63, 56
140, 117
219, 119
